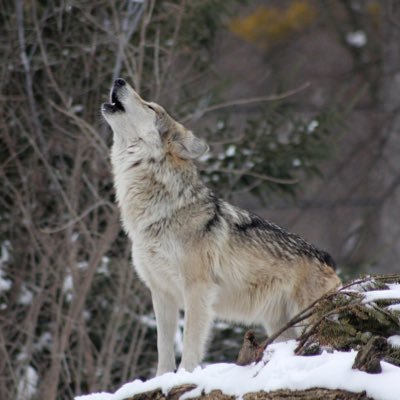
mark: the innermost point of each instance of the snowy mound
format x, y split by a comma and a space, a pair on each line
280, 369
350, 321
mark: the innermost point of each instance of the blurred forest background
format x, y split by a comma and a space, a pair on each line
298, 99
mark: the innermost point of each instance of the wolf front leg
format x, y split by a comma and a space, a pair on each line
199, 299
167, 312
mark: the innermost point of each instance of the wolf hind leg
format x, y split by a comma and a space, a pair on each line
273, 325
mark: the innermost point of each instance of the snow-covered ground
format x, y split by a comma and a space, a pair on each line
280, 369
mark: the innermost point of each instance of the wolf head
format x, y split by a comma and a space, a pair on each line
145, 125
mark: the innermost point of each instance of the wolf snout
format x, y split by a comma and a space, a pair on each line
116, 89
119, 83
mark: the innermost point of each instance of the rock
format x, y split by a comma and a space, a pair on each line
369, 357
249, 351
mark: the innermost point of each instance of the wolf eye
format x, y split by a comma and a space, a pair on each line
151, 107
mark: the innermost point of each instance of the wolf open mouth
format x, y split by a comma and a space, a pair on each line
115, 102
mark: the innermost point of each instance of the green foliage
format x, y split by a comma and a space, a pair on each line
277, 150
345, 320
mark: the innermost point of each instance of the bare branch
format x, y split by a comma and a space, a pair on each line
263, 177
250, 100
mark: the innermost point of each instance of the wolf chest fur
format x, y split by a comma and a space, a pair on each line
195, 251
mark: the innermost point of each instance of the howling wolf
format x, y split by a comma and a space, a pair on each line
195, 251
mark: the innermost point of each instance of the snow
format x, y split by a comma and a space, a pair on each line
27, 385
149, 321
74, 237
280, 369
104, 266
5, 284
356, 38
68, 288
178, 342
230, 151
312, 126
394, 340
82, 265
394, 307
5, 252
392, 293
68, 283
296, 162
43, 342
26, 296
77, 108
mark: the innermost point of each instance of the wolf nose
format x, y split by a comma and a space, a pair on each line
119, 83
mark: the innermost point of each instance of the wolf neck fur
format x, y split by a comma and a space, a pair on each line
149, 190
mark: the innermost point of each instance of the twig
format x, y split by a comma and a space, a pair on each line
315, 325
135, 9
19, 11
308, 312
178, 24
301, 316
246, 101
143, 31
45, 59
85, 127
78, 218
157, 64
264, 177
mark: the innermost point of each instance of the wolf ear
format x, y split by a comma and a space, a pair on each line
190, 147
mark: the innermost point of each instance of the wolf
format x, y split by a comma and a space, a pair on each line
193, 250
